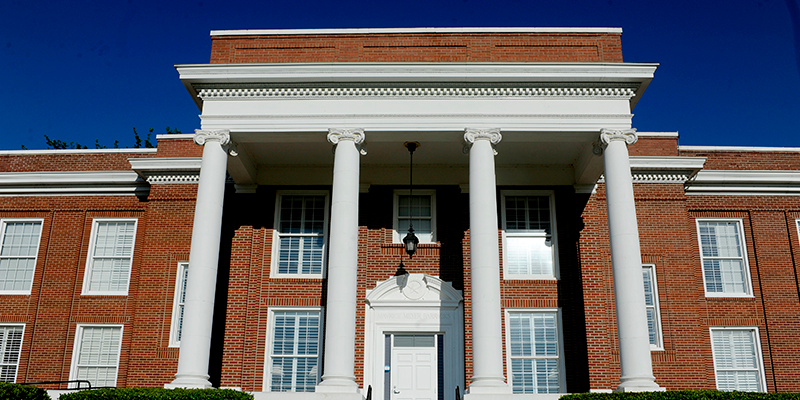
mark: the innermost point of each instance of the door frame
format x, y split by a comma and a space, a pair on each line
414, 303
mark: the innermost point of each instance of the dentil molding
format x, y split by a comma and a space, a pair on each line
223, 93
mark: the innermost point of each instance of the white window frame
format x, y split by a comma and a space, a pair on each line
276, 237
267, 384
3, 344
745, 260
559, 326
87, 275
178, 305
762, 379
73, 372
656, 307
506, 234
398, 236
3, 223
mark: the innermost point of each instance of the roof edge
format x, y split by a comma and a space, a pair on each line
351, 31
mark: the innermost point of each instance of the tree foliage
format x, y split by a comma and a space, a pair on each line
138, 142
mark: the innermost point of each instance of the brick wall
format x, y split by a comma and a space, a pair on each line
418, 47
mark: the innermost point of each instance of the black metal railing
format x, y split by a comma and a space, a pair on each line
458, 393
78, 384
369, 392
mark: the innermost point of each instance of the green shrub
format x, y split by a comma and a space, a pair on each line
683, 395
22, 392
157, 394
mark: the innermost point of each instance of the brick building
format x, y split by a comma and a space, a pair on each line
559, 250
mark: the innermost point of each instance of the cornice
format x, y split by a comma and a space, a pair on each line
625, 92
357, 31
167, 170
59, 183
646, 169
727, 182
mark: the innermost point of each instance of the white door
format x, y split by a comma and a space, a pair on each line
414, 367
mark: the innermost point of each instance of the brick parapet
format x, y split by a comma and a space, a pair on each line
418, 47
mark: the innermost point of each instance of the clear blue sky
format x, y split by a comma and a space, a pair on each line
86, 70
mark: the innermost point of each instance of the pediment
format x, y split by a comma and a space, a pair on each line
419, 289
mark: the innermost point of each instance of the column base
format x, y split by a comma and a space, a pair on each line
189, 382
337, 385
639, 384
492, 387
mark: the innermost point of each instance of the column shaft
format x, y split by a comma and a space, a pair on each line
203, 259
340, 313
626, 260
487, 339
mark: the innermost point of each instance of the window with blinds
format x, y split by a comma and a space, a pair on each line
651, 306
529, 236
302, 221
10, 347
178, 302
96, 354
19, 246
737, 359
419, 210
294, 351
108, 268
725, 270
534, 352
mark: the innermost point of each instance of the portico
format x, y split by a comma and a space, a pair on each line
342, 125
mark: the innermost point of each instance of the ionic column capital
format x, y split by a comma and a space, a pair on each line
202, 136
610, 135
492, 134
335, 135
471, 135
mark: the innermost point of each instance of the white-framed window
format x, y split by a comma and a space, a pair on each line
293, 349
737, 359
535, 351
529, 235
95, 357
301, 235
419, 210
19, 246
10, 347
178, 302
651, 306
724, 258
108, 266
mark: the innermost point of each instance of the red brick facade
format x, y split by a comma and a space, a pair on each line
247, 289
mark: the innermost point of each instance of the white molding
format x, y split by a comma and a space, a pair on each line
176, 321
171, 170
350, 31
740, 148
71, 183
658, 134
745, 182
174, 136
252, 73
625, 92
668, 163
76, 151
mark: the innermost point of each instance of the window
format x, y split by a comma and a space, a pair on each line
293, 354
10, 346
419, 210
96, 354
534, 351
302, 227
19, 245
725, 270
529, 236
108, 268
651, 306
737, 359
178, 303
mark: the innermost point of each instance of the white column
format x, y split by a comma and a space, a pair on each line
626, 260
487, 337
340, 312
202, 279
